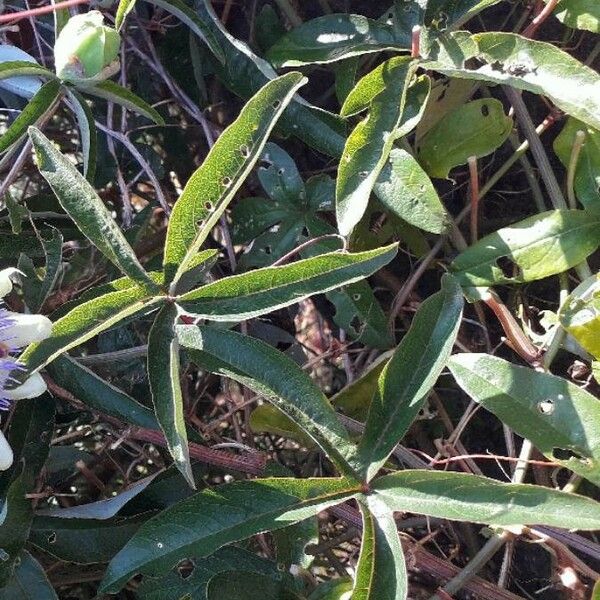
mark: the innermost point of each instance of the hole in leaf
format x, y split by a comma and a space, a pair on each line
485, 111
226, 181
200, 223
264, 163
546, 407
281, 172
566, 454
245, 151
208, 206
276, 104
52, 537
355, 324
268, 250
472, 64
508, 266
186, 569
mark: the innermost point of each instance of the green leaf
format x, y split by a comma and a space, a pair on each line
525, 64
587, 173
123, 9
85, 207
579, 14
230, 558
466, 497
335, 37
406, 191
87, 320
580, 314
354, 399
18, 68
446, 95
35, 290
334, 589
475, 129
83, 541
29, 582
202, 523
369, 145
409, 376
450, 14
560, 418
251, 294
43, 101
164, 377
539, 246
268, 418
213, 185
195, 21
87, 133
98, 394
381, 571
250, 586
278, 378
359, 314
29, 436
113, 92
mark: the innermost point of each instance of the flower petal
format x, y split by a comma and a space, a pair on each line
33, 387
6, 284
25, 329
6, 453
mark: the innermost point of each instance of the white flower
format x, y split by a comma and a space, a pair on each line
6, 453
16, 332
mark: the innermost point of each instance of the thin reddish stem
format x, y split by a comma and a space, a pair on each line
415, 48
41, 10
474, 193
531, 29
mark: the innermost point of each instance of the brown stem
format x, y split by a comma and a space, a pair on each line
519, 342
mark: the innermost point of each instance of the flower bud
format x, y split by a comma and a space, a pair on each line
24, 330
33, 387
6, 453
86, 49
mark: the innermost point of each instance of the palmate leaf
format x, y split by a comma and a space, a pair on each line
211, 188
539, 246
525, 64
163, 374
555, 414
408, 377
261, 291
381, 571
84, 206
278, 378
43, 101
204, 522
466, 497
87, 320
370, 143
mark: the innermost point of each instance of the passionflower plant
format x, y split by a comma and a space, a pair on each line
17, 331
86, 50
